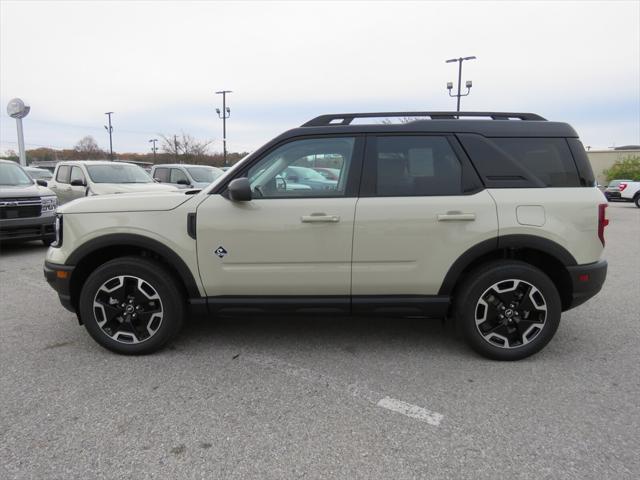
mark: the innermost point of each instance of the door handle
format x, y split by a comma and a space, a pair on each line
320, 218
456, 216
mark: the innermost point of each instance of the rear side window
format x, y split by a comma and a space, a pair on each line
408, 165
548, 159
64, 172
161, 174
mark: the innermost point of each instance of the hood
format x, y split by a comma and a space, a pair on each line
19, 191
107, 188
127, 202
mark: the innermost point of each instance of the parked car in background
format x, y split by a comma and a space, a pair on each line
630, 192
308, 176
27, 207
82, 178
612, 191
328, 173
38, 173
184, 175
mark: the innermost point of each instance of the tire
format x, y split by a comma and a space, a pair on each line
525, 297
132, 305
637, 201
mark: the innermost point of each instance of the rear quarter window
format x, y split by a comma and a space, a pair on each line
522, 162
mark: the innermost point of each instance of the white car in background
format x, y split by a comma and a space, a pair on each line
186, 176
82, 178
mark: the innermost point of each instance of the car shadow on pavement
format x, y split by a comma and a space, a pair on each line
351, 334
16, 248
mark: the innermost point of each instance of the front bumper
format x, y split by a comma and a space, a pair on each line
59, 277
587, 281
31, 228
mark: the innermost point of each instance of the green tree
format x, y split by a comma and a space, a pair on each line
628, 167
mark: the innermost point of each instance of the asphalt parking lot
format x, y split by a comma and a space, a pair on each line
321, 398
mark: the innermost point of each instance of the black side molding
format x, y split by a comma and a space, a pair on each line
191, 225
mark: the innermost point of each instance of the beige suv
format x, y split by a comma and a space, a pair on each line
493, 221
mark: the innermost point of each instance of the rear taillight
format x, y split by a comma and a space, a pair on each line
622, 186
603, 221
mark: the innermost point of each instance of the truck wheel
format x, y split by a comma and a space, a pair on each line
507, 310
637, 201
132, 305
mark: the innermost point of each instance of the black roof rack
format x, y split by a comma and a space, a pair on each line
347, 118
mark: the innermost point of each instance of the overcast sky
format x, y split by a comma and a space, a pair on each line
157, 64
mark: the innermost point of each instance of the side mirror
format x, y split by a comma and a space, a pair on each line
42, 183
239, 190
78, 183
183, 181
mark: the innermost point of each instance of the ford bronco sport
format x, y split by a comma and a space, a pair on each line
493, 221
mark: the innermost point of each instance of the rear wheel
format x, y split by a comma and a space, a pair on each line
132, 305
637, 201
507, 310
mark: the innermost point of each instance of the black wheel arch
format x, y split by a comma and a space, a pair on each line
547, 255
88, 256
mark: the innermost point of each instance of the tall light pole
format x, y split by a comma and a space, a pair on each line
154, 149
469, 84
110, 130
18, 109
226, 113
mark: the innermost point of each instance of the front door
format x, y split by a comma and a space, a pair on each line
294, 238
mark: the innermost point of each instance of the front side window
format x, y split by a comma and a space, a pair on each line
64, 172
76, 174
178, 176
118, 174
204, 174
290, 170
412, 165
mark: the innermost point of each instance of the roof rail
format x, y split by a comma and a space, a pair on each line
347, 118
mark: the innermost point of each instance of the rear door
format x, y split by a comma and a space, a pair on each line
421, 207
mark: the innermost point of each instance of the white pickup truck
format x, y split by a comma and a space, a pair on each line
630, 191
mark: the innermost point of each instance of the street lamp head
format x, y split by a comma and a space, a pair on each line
228, 110
469, 84
451, 60
218, 111
17, 108
449, 85
469, 58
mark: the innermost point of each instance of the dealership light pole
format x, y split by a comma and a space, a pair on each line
226, 113
110, 130
469, 84
154, 149
18, 109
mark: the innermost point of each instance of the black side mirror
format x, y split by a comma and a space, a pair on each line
239, 190
78, 183
183, 181
42, 183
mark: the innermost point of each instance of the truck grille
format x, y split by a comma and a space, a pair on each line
24, 207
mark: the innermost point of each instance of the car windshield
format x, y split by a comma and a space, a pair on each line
204, 174
12, 174
118, 174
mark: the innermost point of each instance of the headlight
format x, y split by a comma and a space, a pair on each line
58, 229
49, 204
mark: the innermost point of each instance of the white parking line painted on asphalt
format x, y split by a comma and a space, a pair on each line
410, 410
355, 390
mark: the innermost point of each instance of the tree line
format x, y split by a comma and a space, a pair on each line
177, 148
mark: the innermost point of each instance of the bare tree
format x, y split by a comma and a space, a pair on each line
88, 148
185, 147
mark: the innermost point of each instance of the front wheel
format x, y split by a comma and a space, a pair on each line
132, 305
507, 310
637, 201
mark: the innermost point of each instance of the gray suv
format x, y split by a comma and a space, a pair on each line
27, 207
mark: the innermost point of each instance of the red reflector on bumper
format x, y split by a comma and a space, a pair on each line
584, 277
